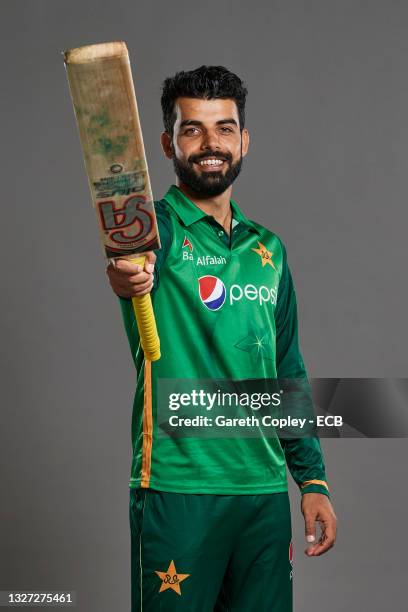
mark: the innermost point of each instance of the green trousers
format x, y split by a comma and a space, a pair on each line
210, 553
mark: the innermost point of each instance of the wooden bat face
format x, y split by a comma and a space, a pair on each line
106, 110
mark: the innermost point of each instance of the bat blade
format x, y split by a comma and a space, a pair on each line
103, 95
104, 100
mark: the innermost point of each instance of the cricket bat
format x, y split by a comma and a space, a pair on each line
104, 100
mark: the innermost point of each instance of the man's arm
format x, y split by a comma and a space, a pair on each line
128, 279
304, 456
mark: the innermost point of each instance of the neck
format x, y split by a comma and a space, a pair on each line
218, 206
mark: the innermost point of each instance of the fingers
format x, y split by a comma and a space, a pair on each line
310, 527
316, 507
125, 267
327, 539
129, 279
143, 289
150, 261
134, 288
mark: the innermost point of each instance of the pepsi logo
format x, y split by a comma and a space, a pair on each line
212, 292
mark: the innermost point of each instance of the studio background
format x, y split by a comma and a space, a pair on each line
327, 171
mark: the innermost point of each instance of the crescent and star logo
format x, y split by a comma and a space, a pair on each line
265, 255
171, 579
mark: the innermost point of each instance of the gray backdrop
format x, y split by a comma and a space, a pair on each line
327, 171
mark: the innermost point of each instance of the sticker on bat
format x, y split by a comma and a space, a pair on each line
120, 184
126, 226
116, 168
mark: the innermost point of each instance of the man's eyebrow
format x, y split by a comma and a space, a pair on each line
222, 121
199, 123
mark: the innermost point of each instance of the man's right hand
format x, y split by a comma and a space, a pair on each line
128, 279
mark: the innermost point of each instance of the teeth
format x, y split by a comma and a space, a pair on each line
211, 162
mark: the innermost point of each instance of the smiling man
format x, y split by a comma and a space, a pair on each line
209, 515
206, 173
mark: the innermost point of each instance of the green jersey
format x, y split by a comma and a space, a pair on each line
225, 309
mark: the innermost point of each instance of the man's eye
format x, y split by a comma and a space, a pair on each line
226, 130
190, 130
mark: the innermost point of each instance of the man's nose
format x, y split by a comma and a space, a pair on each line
210, 140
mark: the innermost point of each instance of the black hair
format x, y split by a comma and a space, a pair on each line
205, 82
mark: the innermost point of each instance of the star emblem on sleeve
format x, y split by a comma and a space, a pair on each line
171, 579
265, 255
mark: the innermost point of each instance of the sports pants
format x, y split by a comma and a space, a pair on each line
210, 553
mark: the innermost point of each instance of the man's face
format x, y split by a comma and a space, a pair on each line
207, 146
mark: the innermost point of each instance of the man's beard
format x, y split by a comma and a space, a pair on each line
207, 184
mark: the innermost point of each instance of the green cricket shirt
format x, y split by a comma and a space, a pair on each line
225, 308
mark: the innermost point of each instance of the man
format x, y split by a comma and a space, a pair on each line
210, 516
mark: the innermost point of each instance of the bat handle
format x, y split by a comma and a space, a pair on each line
142, 305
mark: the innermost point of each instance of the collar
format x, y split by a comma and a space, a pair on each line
189, 213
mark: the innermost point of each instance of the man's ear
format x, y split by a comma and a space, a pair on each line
167, 145
244, 142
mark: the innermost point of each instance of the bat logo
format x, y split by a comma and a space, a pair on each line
116, 168
127, 223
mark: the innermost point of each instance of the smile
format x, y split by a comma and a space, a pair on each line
211, 162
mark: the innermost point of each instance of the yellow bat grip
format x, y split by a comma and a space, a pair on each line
146, 323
